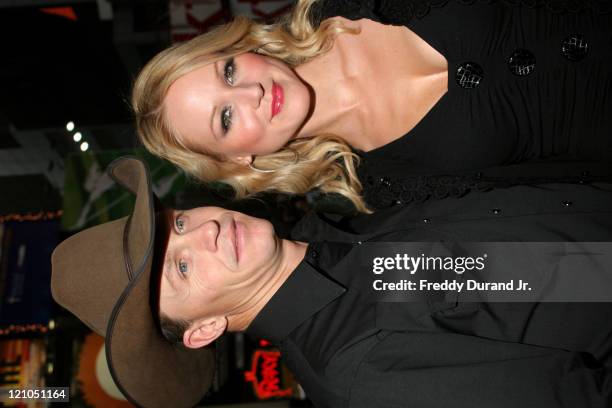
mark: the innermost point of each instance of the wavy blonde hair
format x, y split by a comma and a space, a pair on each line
325, 162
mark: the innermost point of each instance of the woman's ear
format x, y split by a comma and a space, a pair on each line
203, 332
244, 160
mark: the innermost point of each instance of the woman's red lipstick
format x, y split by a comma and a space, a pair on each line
278, 97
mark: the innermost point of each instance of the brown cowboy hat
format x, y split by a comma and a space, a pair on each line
104, 276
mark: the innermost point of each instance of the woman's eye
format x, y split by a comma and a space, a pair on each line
182, 267
226, 118
229, 71
180, 224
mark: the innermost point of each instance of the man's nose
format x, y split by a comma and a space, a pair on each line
252, 93
208, 233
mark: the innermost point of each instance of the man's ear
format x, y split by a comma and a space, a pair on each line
244, 160
203, 332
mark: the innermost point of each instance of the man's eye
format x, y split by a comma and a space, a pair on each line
229, 71
180, 224
182, 267
226, 119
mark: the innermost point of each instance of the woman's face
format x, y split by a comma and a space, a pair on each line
239, 107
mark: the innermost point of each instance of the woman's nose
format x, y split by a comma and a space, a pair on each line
252, 93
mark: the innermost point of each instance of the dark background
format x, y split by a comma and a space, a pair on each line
64, 61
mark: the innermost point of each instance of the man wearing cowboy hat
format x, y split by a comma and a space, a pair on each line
151, 280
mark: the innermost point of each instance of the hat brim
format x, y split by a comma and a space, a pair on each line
147, 368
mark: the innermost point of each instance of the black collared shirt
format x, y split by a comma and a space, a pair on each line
347, 350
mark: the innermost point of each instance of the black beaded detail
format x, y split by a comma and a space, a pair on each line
401, 12
496, 211
469, 75
521, 62
574, 47
383, 192
314, 254
567, 203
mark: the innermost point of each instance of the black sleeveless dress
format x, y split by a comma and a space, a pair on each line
528, 82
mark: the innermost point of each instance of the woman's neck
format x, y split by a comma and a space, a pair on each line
335, 89
373, 87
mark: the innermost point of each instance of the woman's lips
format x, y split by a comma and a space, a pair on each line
278, 97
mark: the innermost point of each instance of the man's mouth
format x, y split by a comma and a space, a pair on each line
239, 230
234, 239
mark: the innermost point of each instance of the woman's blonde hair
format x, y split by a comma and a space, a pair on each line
325, 162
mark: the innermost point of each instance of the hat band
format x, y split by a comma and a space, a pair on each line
126, 253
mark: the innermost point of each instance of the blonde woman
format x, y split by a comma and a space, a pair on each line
394, 101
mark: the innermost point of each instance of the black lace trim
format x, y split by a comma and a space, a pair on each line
402, 11
383, 192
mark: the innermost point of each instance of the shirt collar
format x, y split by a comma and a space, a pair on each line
324, 227
305, 292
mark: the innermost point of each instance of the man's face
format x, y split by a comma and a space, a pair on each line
215, 262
